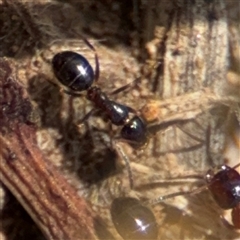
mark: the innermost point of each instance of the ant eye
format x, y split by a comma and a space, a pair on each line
133, 220
73, 70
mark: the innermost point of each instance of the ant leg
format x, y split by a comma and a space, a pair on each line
127, 163
74, 94
132, 110
62, 90
236, 166
132, 143
171, 195
97, 65
127, 86
226, 222
91, 112
154, 128
112, 137
208, 135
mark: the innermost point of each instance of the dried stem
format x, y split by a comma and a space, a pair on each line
52, 203
49, 199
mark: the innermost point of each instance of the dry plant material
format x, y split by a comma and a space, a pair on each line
188, 45
39, 187
185, 107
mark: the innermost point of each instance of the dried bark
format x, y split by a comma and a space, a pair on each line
52, 203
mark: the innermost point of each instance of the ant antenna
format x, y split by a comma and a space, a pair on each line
127, 163
171, 195
97, 65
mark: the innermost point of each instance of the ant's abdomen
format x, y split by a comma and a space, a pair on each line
73, 70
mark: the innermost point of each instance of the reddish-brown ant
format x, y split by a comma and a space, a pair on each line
224, 185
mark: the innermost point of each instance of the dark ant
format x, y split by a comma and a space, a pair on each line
134, 220
75, 72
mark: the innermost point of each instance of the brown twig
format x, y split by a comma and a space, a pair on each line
39, 187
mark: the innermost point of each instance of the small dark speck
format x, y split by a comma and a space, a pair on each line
208, 1
226, 161
176, 52
212, 16
11, 156
9, 79
36, 63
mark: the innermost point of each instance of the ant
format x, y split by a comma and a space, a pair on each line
76, 74
134, 220
223, 183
